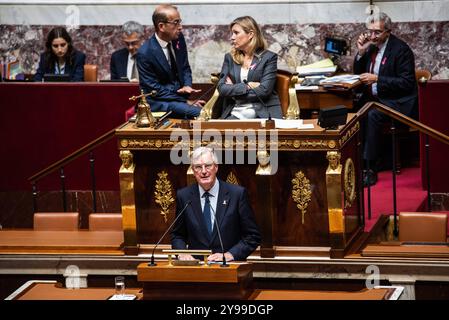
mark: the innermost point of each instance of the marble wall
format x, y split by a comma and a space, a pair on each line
296, 44
294, 29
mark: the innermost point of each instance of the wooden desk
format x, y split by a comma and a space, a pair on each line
407, 251
44, 122
165, 281
55, 291
322, 98
57, 242
365, 294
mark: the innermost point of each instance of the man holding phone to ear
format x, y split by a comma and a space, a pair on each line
386, 66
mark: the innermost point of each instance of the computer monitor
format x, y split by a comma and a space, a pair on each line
50, 77
335, 46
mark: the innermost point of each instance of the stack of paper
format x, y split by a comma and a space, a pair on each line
324, 67
345, 80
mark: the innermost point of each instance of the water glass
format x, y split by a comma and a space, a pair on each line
120, 285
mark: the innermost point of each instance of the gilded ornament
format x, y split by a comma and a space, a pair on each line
349, 181
163, 194
301, 192
127, 161
124, 143
232, 178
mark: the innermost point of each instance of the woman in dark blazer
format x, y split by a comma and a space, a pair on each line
60, 57
248, 76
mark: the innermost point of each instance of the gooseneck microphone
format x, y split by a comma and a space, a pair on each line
152, 263
224, 264
221, 75
269, 123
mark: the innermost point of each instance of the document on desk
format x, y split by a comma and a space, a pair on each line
298, 86
292, 124
123, 297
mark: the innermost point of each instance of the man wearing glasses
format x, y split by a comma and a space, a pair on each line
163, 66
211, 202
386, 66
123, 61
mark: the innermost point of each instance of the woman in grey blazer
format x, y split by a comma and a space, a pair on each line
248, 76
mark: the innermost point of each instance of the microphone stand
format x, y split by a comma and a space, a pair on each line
269, 123
224, 264
152, 263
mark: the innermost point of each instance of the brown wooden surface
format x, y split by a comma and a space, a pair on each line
51, 291
30, 241
407, 251
195, 282
202, 273
366, 294
322, 98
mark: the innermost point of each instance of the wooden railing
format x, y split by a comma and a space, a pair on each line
60, 164
422, 128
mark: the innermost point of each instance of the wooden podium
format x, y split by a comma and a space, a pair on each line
167, 282
308, 203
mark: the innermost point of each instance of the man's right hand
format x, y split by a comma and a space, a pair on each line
363, 43
184, 256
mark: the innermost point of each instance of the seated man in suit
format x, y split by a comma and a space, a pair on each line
214, 202
164, 66
123, 64
386, 66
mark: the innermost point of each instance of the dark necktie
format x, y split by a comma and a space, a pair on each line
174, 68
371, 68
206, 212
134, 74
373, 59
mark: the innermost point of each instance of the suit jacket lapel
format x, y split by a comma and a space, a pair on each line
196, 205
236, 69
253, 66
387, 54
159, 54
222, 206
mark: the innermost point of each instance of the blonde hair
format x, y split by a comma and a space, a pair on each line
257, 43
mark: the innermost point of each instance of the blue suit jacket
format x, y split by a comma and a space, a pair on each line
155, 73
234, 216
76, 70
396, 86
119, 64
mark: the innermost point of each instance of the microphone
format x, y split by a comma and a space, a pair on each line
269, 124
152, 263
224, 264
221, 75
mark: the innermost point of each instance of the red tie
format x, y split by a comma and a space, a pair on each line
373, 59
371, 68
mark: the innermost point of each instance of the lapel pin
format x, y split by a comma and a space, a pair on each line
224, 202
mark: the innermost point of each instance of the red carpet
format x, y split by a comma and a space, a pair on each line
410, 195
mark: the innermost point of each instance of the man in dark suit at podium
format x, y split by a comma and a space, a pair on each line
164, 66
386, 66
214, 202
123, 63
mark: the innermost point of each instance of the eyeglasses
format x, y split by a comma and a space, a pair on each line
375, 32
132, 43
199, 167
174, 22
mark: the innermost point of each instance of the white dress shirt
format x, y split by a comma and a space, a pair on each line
164, 47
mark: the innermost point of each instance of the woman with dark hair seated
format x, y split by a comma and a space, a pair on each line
60, 57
